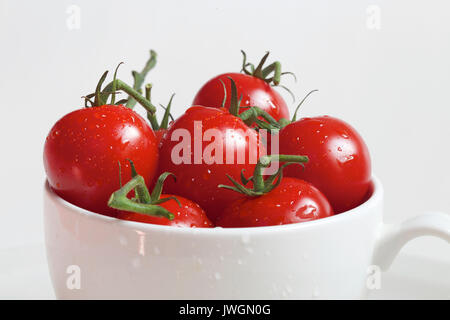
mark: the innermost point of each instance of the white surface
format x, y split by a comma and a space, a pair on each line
391, 84
25, 273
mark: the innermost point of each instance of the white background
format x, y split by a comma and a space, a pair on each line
391, 83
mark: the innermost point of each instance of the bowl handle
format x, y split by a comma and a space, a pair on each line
394, 237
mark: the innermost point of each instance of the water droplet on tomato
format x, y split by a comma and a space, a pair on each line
345, 158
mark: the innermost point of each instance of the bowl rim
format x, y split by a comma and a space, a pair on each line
373, 200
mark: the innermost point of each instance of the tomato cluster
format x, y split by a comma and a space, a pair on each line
105, 157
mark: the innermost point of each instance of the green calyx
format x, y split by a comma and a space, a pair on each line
260, 185
143, 202
273, 128
152, 117
252, 114
270, 74
134, 92
101, 96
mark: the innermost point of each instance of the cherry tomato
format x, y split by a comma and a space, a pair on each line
255, 93
189, 215
199, 177
159, 134
82, 152
339, 161
292, 201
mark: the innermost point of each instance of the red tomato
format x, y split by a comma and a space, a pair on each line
255, 93
198, 180
82, 152
159, 134
292, 201
339, 162
189, 215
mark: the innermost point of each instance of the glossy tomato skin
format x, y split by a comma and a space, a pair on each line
82, 152
199, 180
189, 215
292, 201
159, 134
255, 92
339, 161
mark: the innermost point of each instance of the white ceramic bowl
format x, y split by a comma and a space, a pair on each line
92, 256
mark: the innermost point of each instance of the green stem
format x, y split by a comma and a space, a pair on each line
98, 101
151, 116
157, 189
249, 116
113, 95
234, 103
276, 69
258, 71
262, 72
284, 122
141, 191
166, 116
139, 98
120, 85
294, 118
119, 200
261, 186
265, 161
139, 77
